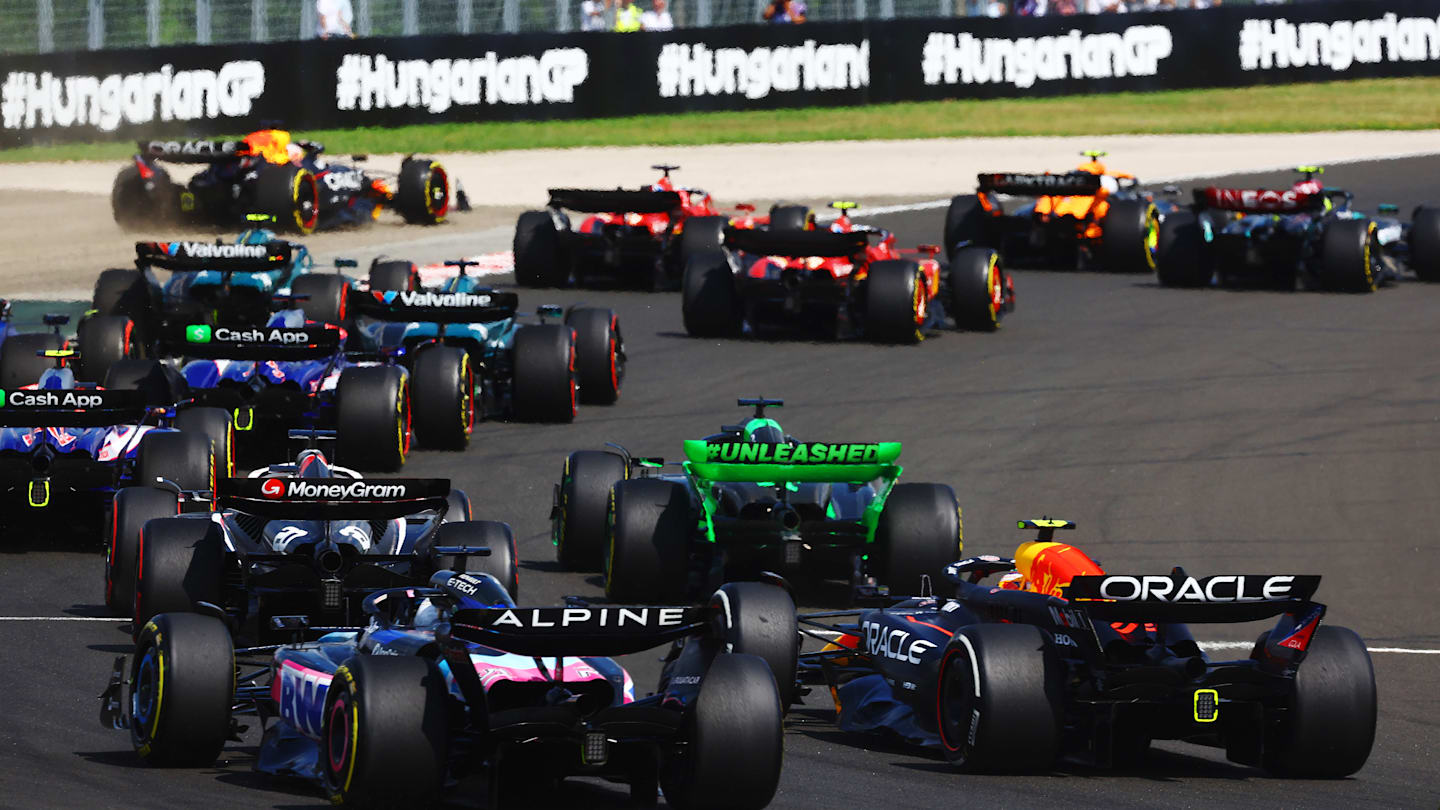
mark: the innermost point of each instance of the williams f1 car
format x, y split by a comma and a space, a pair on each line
843, 281
748, 499
1061, 659
269, 173
453, 680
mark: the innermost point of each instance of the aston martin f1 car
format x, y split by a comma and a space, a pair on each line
465, 331
747, 499
454, 680
1061, 659
267, 172
1308, 233
847, 280
1089, 218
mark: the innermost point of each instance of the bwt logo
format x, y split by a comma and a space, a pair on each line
963, 59
364, 81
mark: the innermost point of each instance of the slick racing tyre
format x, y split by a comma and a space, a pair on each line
127, 292
580, 528
1009, 719
1328, 727
543, 388
1131, 231
188, 460
709, 302
599, 354
977, 289
964, 223
137, 202
1182, 254
538, 258
734, 740
918, 535
701, 234
1425, 243
180, 564
104, 340
760, 621
373, 419
424, 195
1350, 256
21, 363
790, 217
895, 302
648, 558
216, 426
394, 274
457, 506
444, 394
383, 742
325, 297
290, 195
502, 562
133, 507
182, 685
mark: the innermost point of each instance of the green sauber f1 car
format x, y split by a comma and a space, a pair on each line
751, 499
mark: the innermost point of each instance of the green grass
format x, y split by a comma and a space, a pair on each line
1363, 104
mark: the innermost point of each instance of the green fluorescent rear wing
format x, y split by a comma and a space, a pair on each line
805, 462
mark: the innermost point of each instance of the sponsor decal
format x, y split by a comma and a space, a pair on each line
810, 453
200, 333
544, 618
314, 489
1262, 199
197, 333
35, 398
302, 698
694, 69
272, 489
1271, 44
1069, 617
208, 149
897, 645
960, 58
426, 298
367, 82
1064, 640
286, 535
29, 100
685, 680
342, 180
1223, 588
463, 584
210, 250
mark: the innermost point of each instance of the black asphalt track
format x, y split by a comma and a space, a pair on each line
1241, 432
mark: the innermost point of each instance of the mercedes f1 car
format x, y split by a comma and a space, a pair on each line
1307, 233
1090, 218
748, 499
1061, 659
267, 172
847, 280
452, 680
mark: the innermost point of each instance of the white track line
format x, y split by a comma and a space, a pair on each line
1221, 645
60, 619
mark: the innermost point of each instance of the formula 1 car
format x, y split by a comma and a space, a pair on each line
1089, 218
464, 330
845, 281
267, 172
638, 237
455, 679
751, 498
1065, 660
1307, 233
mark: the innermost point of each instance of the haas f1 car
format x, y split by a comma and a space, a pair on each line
453, 680
847, 280
269, 173
1061, 659
748, 499
1089, 218
1307, 233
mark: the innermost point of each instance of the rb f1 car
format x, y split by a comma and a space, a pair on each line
843, 281
454, 679
1064, 660
267, 172
749, 499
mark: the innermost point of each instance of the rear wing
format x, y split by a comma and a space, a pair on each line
1260, 200
192, 151
80, 407
1077, 184
618, 201
854, 463
796, 243
256, 342
193, 256
334, 498
1179, 598
427, 306
582, 631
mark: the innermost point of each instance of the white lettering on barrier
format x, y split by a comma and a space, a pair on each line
365, 81
29, 100
693, 69
1279, 43
959, 58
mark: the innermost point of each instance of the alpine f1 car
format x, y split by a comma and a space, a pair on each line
1061, 659
639, 237
843, 281
1307, 233
1089, 218
451, 680
748, 499
464, 340
268, 172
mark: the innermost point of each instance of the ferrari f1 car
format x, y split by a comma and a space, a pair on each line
268, 172
747, 499
1089, 218
639, 237
843, 281
467, 332
1307, 233
1062, 659
454, 680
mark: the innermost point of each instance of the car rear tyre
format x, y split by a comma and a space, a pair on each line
326, 301
701, 234
543, 388
502, 563
182, 684
444, 397
1131, 231
384, 738
977, 289
135, 206
424, 194
1328, 727
964, 223
394, 274
1350, 256
710, 304
919, 534
761, 622
373, 419
1182, 255
217, 427
457, 506
186, 459
648, 554
537, 252
599, 354
20, 361
580, 529
290, 195
104, 340
126, 292
895, 301
998, 707
1425, 243
132, 507
789, 217
180, 563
